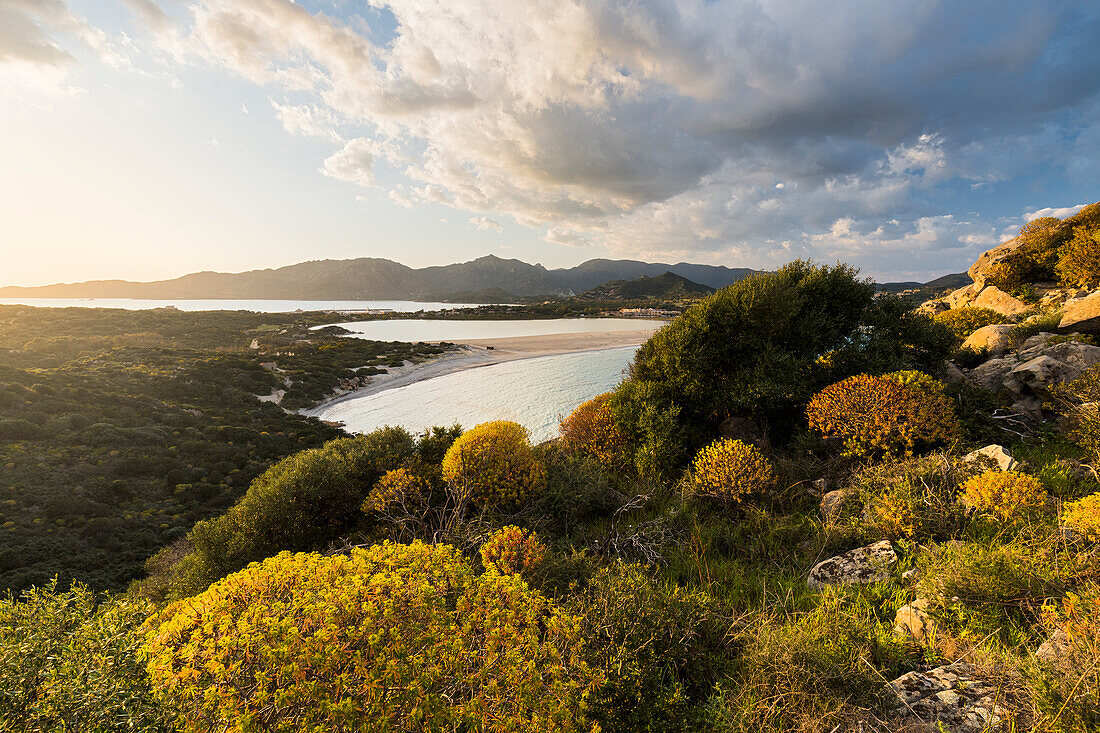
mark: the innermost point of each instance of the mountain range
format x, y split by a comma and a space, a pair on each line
370, 278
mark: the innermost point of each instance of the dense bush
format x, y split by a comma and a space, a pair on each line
1034, 259
397, 487
1083, 517
882, 415
1006, 495
301, 503
964, 321
591, 430
494, 465
391, 638
726, 470
663, 648
512, 551
1079, 262
759, 349
69, 661
912, 498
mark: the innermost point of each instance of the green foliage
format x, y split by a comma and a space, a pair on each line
662, 648
390, 638
303, 502
1034, 259
70, 661
754, 349
1079, 262
964, 321
913, 498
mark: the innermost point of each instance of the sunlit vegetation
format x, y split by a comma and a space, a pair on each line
648, 571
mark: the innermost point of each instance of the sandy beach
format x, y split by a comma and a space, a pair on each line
475, 353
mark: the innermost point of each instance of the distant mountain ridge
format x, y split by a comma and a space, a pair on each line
668, 286
370, 278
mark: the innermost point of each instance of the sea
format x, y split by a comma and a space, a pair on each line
259, 306
537, 393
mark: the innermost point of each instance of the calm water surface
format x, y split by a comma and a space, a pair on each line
260, 306
443, 330
536, 393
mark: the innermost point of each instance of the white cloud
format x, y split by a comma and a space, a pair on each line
677, 127
352, 163
1061, 213
484, 223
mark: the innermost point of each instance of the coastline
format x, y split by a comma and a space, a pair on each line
474, 353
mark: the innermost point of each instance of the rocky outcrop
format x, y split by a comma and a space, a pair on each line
999, 301
832, 504
913, 622
1055, 648
1027, 376
962, 297
1081, 314
994, 339
862, 566
982, 269
953, 696
993, 455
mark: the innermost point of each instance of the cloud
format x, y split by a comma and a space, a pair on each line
1061, 213
731, 129
352, 163
485, 223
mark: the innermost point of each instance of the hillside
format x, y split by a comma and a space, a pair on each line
370, 278
668, 286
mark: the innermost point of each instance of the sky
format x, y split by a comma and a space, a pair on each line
144, 139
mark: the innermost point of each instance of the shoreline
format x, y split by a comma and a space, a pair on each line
475, 353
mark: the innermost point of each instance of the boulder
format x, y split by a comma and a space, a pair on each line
1034, 345
999, 301
962, 297
832, 504
1081, 314
1055, 648
953, 697
982, 269
861, 566
1059, 363
993, 455
913, 622
932, 307
952, 373
995, 339
991, 374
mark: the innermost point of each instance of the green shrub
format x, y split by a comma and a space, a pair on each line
913, 498
964, 321
1036, 257
759, 349
303, 502
390, 638
591, 430
882, 415
661, 647
71, 662
1079, 261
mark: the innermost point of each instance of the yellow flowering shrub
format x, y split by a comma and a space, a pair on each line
727, 469
591, 429
494, 464
389, 638
1003, 494
512, 550
882, 415
397, 487
1083, 516
966, 320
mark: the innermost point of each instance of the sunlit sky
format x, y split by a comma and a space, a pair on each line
149, 138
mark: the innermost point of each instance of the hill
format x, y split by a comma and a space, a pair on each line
370, 278
668, 286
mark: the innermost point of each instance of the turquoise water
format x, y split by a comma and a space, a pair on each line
536, 393
260, 306
442, 330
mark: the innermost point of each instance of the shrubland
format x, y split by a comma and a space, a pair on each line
646, 572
